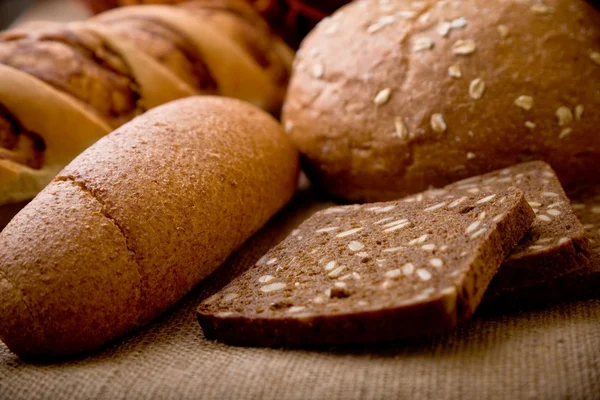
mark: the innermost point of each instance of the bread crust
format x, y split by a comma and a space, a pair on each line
135, 221
389, 100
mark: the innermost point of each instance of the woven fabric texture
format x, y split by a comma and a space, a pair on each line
552, 353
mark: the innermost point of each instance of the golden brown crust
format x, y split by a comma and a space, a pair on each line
153, 207
234, 69
78, 63
54, 283
42, 109
375, 110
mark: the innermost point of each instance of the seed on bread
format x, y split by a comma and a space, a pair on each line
424, 274
503, 30
579, 110
348, 232
454, 71
356, 246
564, 115
540, 8
382, 96
464, 47
273, 287
328, 229
476, 88
595, 57
401, 129
524, 102
438, 124
422, 44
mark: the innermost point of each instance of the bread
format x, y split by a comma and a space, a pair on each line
555, 245
63, 86
292, 19
135, 221
389, 98
580, 284
371, 272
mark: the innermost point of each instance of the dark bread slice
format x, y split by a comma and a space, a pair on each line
581, 284
555, 245
371, 272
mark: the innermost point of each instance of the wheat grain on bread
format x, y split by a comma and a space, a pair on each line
127, 228
405, 95
371, 272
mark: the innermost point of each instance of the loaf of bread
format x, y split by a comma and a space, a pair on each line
63, 86
371, 272
292, 19
389, 98
135, 221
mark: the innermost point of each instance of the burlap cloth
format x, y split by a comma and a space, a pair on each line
545, 354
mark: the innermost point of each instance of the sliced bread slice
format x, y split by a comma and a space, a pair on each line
580, 284
555, 245
371, 272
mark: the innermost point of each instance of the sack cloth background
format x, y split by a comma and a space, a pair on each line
552, 353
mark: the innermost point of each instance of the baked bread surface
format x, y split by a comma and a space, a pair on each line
134, 222
389, 98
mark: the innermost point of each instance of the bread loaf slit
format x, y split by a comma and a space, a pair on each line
104, 211
137, 220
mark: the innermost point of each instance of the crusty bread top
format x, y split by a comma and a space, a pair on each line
389, 97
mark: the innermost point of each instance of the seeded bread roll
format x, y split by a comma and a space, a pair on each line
134, 222
555, 245
371, 273
389, 98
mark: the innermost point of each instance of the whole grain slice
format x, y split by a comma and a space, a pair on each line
555, 245
371, 272
582, 283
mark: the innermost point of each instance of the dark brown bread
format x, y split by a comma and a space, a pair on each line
389, 98
580, 284
371, 272
555, 245
126, 229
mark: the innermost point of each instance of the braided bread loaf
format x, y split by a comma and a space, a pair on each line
63, 86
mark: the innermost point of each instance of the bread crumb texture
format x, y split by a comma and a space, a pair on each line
372, 272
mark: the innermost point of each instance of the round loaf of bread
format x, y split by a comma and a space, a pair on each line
391, 97
135, 221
